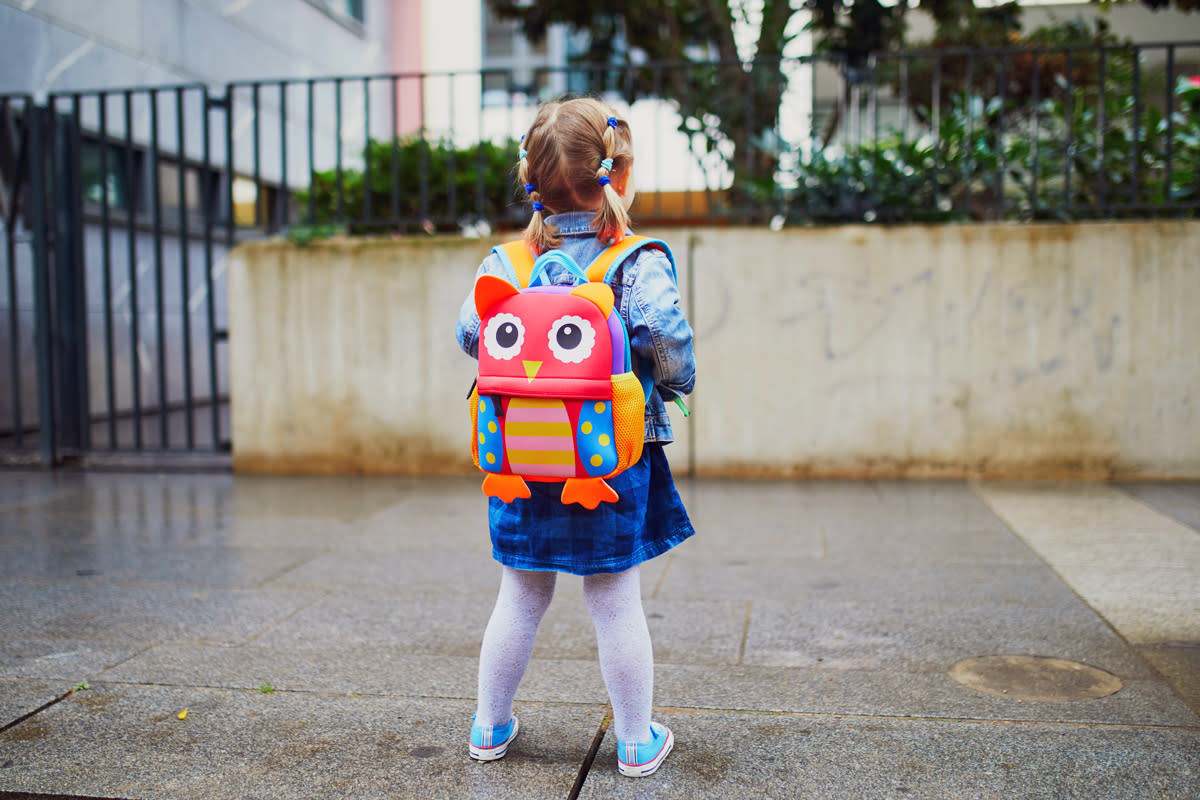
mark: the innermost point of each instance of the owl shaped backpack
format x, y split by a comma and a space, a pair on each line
556, 399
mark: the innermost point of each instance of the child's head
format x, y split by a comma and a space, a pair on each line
577, 156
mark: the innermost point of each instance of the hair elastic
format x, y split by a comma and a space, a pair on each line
603, 180
606, 163
529, 188
522, 153
612, 122
538, 206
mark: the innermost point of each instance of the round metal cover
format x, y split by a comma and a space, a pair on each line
1050, 680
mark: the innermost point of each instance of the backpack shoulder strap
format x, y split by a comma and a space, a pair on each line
605, 265
516, 256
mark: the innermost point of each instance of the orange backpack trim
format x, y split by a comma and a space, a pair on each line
517, 256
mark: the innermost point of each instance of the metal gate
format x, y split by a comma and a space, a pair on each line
116, 221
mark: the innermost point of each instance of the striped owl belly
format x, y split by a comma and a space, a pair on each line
538, 438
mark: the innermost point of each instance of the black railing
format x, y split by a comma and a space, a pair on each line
113, 265
119, 206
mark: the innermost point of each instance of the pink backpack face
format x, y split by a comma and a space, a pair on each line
550, 342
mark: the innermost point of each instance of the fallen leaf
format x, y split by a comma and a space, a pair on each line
182, 714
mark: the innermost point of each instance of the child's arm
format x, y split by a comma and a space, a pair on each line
659, 330
466, 329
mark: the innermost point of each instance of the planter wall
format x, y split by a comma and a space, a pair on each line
1025, 351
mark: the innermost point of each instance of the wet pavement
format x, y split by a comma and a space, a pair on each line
815, 640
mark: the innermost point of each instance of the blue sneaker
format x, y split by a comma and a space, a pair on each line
639, 759
490, 742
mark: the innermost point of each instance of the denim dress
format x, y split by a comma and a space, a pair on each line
540, 532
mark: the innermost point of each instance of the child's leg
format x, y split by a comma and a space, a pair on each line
626, 657
508, 641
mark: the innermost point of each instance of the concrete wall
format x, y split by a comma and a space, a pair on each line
992, 350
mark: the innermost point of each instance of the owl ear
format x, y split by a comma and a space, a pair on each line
490, 290
599, 293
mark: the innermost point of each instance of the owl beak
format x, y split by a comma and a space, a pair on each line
531, 369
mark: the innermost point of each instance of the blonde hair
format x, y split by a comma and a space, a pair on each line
567, 154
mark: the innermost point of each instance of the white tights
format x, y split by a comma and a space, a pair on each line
626, 658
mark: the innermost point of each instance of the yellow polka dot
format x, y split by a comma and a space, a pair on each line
599, 408
597, 460
603, 440
482, 438
491, 458
483, 406
586, 427
491, 426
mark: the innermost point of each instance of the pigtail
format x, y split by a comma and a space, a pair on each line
612, 219
539, 236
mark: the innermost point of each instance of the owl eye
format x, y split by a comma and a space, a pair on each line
572, 339
503, 336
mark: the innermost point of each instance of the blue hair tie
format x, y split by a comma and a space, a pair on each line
529, 188
522, 153
606, 163
612, 122
538, 206
604, 180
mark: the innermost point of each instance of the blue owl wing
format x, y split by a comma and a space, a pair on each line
595, 438
491, 441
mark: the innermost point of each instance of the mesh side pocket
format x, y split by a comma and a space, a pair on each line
629, 419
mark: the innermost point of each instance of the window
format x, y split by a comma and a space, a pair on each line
106, 176
342, 9
352, 9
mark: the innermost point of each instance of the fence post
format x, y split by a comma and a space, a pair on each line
69, 309
47, 429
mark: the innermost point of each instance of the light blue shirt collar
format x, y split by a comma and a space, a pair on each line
573, 223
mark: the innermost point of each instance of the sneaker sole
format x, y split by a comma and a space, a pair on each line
642, 770
498, 751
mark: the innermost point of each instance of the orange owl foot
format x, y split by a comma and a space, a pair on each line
588, 492
505, 487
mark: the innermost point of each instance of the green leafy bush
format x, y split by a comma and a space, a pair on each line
1080, 154
437, 187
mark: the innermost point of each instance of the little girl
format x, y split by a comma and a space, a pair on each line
577, 167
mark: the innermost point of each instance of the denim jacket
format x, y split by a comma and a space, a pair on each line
647, 300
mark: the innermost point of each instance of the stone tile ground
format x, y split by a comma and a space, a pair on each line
322, 635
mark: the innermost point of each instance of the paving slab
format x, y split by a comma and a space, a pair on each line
928, 638
70, 660
811, 625
1138, 568
21, 697
109, 497
30, 488
77, 610
1179, 500
448, 623
352, 670
932, 581
130, 564
888, 692
1180, 665
778, 756
422, 622
128, 741
443, 571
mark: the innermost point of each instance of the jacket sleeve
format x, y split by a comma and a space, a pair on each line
466, 329
659, 331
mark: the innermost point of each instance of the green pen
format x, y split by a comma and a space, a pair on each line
682, 407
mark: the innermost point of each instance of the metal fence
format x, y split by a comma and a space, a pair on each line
119, 206
114, 248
